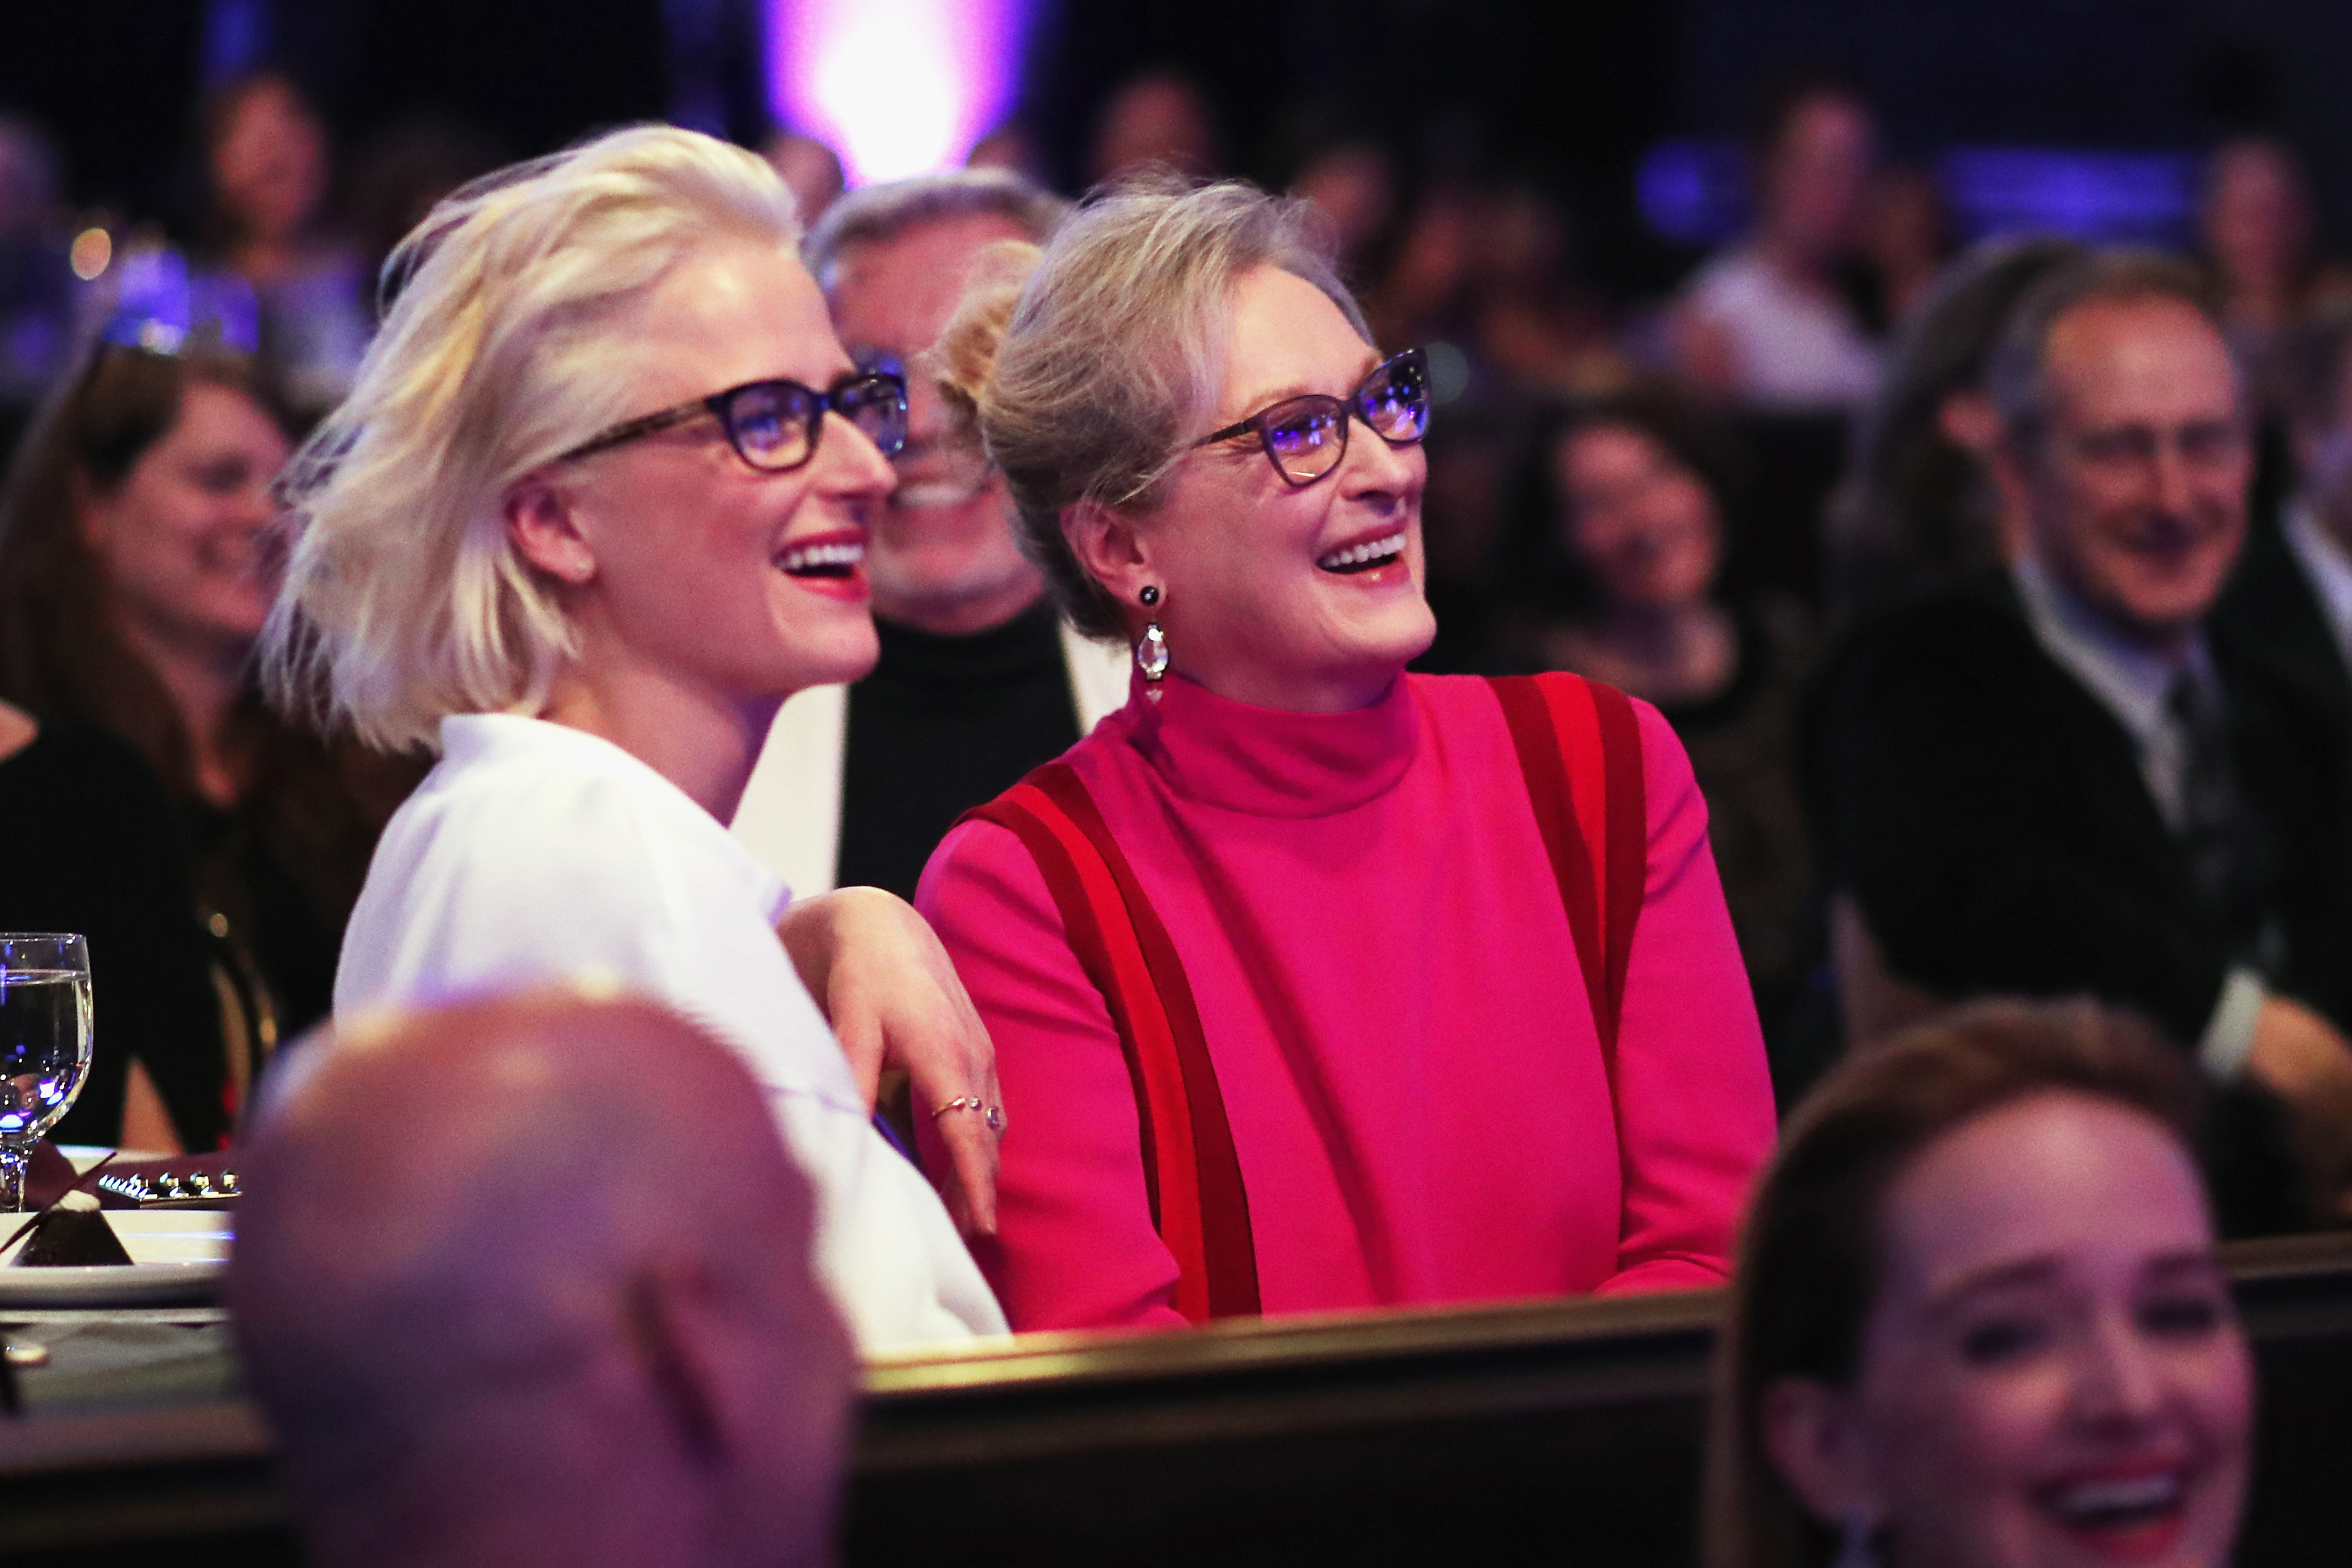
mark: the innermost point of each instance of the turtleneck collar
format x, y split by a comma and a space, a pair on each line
1268, 762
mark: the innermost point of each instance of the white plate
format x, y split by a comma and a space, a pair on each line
178, 1256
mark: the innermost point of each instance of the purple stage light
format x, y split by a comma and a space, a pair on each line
896, 87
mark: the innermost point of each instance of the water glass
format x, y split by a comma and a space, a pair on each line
45, 1024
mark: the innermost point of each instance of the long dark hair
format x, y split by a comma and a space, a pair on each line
1809, 1266
62, 651
1912, 510
1539, 576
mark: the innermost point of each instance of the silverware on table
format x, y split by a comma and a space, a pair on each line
170, 1189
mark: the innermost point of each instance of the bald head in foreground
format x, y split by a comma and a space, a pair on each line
528, 1281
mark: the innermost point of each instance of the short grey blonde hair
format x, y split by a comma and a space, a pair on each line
2017, 375
1088, 385
404, 601
876, 215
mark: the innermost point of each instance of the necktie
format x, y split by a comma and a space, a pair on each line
2220, 838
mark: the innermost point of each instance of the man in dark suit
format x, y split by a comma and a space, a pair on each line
2050, 779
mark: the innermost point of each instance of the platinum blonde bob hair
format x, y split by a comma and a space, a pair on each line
405, 600
1089, 382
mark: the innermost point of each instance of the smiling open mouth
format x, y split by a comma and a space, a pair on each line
834, 560
1368, 555
2120, 1509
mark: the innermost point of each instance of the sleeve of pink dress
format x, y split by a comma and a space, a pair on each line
1694, 1098
1075, 1204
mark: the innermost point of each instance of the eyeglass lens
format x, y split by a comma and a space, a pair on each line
774, 424
1307, 437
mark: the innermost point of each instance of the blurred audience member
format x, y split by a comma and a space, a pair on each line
1918, 505
1906, 237
404, 171
266, 158
37, 276
1979, 1319
811, 170
2291, 601
1157, 120
1534, 329
1008, 147
1425, 295
90, 848
528, 1281
2254, 227
1618, 534
979, 680
1766, 323
138, 560
2046, 781
1353, 184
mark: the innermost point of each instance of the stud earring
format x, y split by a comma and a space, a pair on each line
1151, 648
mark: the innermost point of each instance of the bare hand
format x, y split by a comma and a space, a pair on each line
893, 998
2300, 1057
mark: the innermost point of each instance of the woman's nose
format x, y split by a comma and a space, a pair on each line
851, 465
2121, 1377
1373, 466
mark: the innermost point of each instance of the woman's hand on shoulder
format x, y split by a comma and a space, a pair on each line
887, 985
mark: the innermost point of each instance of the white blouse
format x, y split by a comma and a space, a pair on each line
536, 854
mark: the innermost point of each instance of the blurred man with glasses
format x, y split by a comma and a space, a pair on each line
978, 681
2052, 781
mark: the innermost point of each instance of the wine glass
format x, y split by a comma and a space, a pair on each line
45, 1015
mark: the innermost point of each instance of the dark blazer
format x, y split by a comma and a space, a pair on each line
2270, 616
1989, 814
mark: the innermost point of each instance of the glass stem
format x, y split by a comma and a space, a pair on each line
12, 1179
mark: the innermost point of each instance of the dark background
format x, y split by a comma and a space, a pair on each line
1566, 93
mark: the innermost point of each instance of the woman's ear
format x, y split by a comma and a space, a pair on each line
545, 533
1110, 547
1814, 1436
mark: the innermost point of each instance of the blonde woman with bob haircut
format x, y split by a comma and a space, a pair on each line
1314, 984
597, 506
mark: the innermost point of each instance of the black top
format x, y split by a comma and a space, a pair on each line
87, 845
942, 724
1738, 744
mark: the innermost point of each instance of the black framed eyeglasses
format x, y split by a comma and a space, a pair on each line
1307, 437
774, 425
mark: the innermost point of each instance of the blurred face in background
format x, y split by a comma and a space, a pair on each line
1354, 186
2135, 490
1157, 119
810, 170
186, 538
942, 556
1641, 522
1815, 175
2257, 221
2053, 1373
269, 160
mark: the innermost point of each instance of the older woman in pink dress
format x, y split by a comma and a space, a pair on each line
1315, 985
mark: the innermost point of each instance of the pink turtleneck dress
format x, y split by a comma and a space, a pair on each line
1393, 1003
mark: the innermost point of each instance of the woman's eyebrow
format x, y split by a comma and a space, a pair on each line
2024, 1272
1260, 401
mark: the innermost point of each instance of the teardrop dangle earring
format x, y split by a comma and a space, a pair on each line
1151, 648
